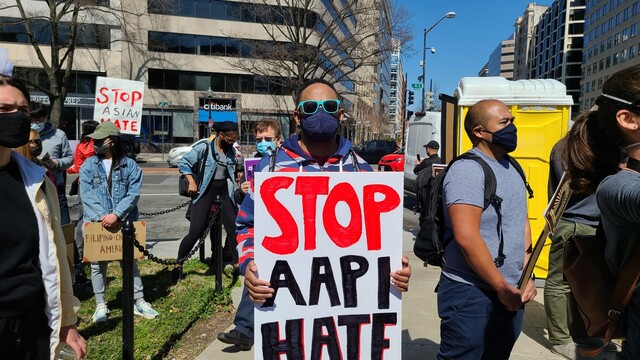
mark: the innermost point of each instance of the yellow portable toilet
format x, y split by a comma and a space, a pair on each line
542, 110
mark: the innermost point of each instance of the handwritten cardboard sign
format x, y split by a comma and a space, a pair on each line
119, 101
101, 244
327, 243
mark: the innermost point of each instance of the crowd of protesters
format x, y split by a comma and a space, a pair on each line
480, 307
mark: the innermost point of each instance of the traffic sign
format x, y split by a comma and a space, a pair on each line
416, 86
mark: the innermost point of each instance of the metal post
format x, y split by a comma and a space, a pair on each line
424, 66
162, 133
128, 233
216, 243
449, 15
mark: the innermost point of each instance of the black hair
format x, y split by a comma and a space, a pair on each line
37, 110
310, 82
88, 127
16, 83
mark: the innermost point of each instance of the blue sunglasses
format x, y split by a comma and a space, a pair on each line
309, 107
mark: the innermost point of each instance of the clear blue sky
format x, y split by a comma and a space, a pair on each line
463, 44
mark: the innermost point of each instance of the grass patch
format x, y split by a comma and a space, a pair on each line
180, 306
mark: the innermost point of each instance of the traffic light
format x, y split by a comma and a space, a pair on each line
429, 100
410, 101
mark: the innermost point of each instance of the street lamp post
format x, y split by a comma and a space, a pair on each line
449, 15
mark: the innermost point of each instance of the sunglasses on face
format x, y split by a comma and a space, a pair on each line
309, 107
231, 136
101, 142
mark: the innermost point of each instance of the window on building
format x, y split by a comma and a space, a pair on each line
203, 8
187, 8
595, 67
202, 81
616, 39
623, 55
632, 52
600, 83
625, 34
625, 14
607, 62
633, 30
618, 18
634, 8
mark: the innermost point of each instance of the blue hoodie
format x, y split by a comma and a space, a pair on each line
290, 157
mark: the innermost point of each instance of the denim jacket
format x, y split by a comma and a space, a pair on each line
121, 199
188, 161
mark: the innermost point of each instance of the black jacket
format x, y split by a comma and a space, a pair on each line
426, 163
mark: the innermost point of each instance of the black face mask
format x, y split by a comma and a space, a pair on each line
506, 138
14, 129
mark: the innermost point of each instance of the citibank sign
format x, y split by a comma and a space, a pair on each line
218, 104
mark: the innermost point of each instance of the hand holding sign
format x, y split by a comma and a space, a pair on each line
259, 290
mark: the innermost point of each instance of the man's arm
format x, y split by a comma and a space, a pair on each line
465, 222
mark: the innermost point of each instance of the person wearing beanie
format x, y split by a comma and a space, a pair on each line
110, 184
218, 179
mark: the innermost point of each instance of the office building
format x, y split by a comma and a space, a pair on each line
558, 46
195, 58
611, 43
501, 59
525, 40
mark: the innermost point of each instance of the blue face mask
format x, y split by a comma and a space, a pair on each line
320, 126
264, 147
37, 126
506, 138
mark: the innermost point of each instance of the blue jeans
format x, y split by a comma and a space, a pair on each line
244, 315
474, 324
631, 344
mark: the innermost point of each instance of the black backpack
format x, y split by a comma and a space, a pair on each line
430, 242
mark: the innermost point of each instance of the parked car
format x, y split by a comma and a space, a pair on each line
177, 153
392, 162
372, 151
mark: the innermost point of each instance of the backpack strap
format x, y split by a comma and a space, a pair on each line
490, 197
354, 160
518, 168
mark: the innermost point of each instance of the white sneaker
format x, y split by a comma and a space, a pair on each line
144, 309
100, 315
569, 351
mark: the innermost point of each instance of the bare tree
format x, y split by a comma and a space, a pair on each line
306, 39
67, 23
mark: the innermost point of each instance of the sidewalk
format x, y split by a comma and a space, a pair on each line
421, 325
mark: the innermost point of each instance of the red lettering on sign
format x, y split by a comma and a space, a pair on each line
373, 209
310, 188
118, 96
103, 98
287, 243
343, 236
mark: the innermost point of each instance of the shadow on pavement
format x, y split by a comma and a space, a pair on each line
420, 348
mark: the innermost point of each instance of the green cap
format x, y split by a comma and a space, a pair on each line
104, 130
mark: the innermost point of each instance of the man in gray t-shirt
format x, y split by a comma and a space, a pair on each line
479, 304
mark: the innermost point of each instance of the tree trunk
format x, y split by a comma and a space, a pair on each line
57, 107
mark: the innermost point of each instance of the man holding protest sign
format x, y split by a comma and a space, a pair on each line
317, 148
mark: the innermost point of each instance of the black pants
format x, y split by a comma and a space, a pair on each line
26, 335
200, 219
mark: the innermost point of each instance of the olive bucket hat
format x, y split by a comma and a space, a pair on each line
105, 130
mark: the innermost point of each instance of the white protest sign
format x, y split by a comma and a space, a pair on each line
119, 101
327, 243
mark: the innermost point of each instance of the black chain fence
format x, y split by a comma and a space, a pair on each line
213, 217
165, 211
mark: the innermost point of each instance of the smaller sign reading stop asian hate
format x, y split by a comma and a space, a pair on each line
119, 101
327, 244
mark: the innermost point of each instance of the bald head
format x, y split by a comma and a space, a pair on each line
480, 113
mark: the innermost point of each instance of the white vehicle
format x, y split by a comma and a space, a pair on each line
177, 153
422, 128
